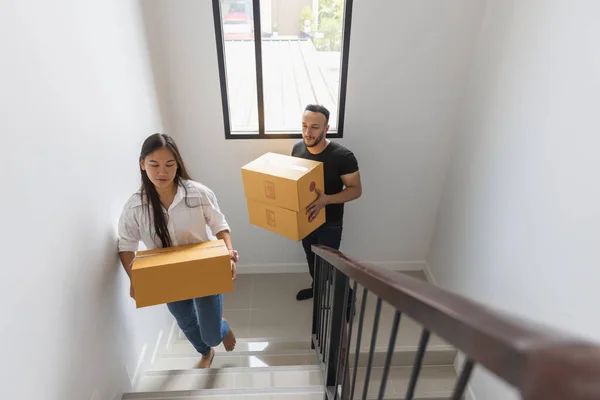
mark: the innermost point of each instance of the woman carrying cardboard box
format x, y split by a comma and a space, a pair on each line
172, 210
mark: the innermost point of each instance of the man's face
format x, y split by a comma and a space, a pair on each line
314, 128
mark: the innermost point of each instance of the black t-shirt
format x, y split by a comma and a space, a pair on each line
337, 161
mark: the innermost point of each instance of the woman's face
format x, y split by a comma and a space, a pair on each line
161, 167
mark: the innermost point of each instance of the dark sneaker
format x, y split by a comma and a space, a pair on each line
304, 294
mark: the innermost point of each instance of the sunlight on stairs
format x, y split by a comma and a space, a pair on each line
273, 358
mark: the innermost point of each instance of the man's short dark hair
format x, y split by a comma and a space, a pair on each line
319, 109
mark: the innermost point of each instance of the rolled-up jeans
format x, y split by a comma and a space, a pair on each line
201, 321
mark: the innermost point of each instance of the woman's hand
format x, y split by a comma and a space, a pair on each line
235, 257
233, 270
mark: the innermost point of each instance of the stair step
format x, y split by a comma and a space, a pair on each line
293, 383
231, 360
264, 352
232, 378
312, 393
298, 338
249, 346
260, 395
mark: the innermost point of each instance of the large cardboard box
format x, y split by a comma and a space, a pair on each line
278, 189
180, 273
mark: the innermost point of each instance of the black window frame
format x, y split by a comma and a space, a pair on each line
218, 22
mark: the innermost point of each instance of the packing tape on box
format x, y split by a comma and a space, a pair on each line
174, 249
283, 165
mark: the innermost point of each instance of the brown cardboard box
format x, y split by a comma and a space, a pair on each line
278, 189
290, 224
179, 273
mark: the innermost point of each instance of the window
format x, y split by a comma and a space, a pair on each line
276, 57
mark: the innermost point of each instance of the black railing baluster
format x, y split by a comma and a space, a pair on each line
339, 298
390, 354
463, 380
322, 298
372, 348
327, 311
358, 339
318, 276
343, 322
410, 391
349, 340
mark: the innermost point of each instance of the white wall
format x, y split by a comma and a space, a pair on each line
76, 101
408, 64
518, 226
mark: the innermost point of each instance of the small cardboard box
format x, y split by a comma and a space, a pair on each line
179, 273
278, 189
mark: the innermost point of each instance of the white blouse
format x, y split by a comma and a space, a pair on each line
187, 225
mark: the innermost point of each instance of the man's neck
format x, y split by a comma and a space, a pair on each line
318, 149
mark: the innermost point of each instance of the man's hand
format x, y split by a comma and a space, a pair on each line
234, 255
315, 207
131, 291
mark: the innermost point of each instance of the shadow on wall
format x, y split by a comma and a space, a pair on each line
101, 321
97, 319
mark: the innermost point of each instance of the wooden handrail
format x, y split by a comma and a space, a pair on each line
542, 363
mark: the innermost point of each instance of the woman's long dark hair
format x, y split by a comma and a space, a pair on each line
148, 191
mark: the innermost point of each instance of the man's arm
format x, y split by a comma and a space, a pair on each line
352, 191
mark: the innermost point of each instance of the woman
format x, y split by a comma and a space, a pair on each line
172, 210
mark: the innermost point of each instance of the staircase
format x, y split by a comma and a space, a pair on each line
274, 360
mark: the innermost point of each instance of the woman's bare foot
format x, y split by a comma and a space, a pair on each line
229, 341
206, 361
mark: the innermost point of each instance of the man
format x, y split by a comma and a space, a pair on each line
342, 184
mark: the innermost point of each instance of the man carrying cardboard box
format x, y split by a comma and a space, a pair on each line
342, 183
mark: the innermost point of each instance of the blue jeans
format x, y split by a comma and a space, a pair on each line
201, 320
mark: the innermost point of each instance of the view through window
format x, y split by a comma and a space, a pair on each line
301, 61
